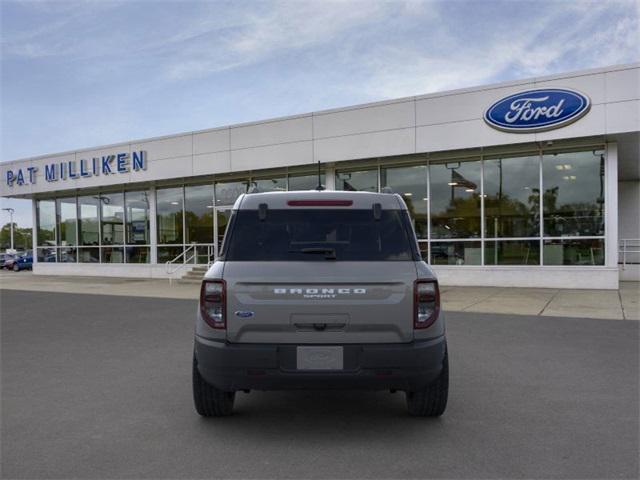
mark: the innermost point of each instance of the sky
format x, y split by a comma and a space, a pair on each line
87, 73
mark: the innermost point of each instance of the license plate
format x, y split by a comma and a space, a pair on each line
320, 358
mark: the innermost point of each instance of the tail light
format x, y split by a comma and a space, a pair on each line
426, 303
213, 303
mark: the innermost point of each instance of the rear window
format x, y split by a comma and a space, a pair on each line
320, 235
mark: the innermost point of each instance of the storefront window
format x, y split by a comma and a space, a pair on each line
573, 199
67, 222
574, 252
512, 197
512, 252
411, 183
166, 254
169, 207
455, 200
112, 218
46, 217
89, 255
88, 226
363, 180
112, 254
137, 254
305, 182
198, 213
137, 218
47, 254
67, 254
228, 192
456, 253
276, 184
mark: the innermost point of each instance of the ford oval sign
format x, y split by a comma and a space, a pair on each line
537, 110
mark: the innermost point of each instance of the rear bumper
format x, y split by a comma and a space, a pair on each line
405, 366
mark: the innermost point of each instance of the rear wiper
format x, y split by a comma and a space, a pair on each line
329, 253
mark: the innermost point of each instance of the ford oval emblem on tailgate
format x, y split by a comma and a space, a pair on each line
244, 314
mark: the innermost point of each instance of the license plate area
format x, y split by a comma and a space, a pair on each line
320, 358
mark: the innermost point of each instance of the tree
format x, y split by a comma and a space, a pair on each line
21, 237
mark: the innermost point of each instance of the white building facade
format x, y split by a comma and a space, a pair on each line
531, 183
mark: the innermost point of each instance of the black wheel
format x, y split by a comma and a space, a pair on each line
432, 401
16, 268
209, 401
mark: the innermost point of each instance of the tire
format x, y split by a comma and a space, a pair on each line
432, 401
16, 268
210, 401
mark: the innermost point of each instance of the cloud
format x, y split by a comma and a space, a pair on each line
526, 47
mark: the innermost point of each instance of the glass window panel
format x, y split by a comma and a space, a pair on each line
198, 213
89, 255
574, 252
88, 220
411, 183
364, 180
166, 254
456, 253
169, 207
112, 205
67, 254
424, 250
137, 218
513, 252
67, 221
47, 254
305, 182
46, 222
112, 255
228, 192
455, 200
137, 254
573, 198
204, 254
512, 197
276, 184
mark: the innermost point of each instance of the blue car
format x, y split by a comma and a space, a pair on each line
23, 262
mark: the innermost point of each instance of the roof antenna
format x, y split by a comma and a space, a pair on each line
319, 187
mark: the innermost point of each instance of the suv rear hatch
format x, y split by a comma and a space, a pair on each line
317, 276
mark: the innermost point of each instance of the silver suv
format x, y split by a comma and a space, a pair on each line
320, 289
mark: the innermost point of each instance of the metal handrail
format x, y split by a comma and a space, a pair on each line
185, 261
628, 245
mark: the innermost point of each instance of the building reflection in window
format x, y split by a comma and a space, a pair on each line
455, 199
512, 197
573, 198
411, 183
363, 181
169, 208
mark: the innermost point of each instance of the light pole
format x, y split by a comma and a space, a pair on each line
11, 212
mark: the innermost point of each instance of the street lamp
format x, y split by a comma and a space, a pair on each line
11, 212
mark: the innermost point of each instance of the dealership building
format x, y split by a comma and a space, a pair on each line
529, 183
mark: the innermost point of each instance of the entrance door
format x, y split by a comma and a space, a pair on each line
220, 222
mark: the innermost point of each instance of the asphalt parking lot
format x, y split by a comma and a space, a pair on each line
98, 386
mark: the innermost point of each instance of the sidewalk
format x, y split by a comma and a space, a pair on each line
623, 304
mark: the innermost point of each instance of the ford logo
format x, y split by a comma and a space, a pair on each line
244, 314
537, 110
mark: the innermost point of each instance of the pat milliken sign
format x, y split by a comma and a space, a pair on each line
115, 164
537, 110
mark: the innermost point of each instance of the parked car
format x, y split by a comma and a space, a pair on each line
320, 290
8, 260
23, 262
